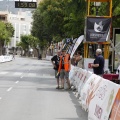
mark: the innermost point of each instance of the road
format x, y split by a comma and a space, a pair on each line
27, 92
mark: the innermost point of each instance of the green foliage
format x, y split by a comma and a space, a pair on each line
10, 29
55, 20
28, 41
6, 32
3, 31
75, 18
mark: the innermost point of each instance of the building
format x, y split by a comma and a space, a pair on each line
22, 25
3, 16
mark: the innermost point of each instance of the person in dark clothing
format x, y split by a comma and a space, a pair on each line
39, 57
98, 65
55, 61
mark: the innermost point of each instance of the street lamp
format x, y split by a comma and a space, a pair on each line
97, 5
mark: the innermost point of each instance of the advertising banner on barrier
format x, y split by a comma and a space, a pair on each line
84, 79
73, 75
102, 100
79, 77
115, 112
87, 93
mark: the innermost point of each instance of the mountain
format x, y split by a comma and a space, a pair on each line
9, 5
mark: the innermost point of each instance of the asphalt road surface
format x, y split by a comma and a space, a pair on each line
27, 92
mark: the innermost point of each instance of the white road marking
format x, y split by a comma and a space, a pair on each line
21, 77
3, 73
17, 82
9, 89
17, 73
46, 75
0, 98
31, 74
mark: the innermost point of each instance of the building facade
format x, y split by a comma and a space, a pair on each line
22, 25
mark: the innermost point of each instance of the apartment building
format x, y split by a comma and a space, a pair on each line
3, 16
22, 25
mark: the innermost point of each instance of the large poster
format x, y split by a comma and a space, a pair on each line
98, 29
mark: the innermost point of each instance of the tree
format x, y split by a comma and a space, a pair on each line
10, 30
55, 20
6, 32
75, 11
27, 42
48, 21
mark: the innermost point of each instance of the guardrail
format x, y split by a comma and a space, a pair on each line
98, 96
48, 57
5, 58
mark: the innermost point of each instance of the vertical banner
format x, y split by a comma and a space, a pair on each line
79, 40
98, 29
67, 42
102, 100
71, 46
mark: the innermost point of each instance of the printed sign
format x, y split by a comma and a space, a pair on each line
87, 92
98, 29
115, 113
101, 103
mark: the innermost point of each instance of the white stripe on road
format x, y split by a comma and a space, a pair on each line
31, 74
3, 73
46, 75
17, 82
17, 73
9, 89
21, 77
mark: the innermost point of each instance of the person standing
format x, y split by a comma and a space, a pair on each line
78, 57
55, 61
64, 68
13, 57
98, 65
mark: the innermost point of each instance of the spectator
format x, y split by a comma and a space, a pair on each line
13, 56
78, 57
64, 68
55, 61
39, 57
98, 65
